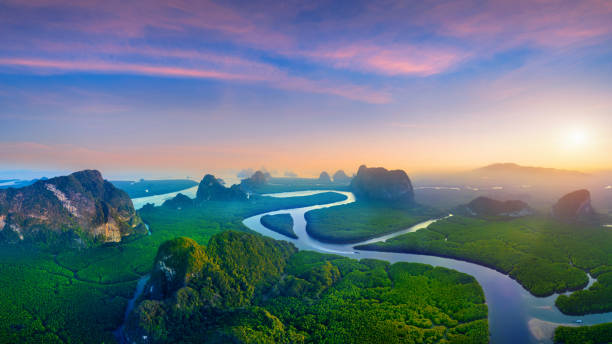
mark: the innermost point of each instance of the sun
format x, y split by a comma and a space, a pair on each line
578, 138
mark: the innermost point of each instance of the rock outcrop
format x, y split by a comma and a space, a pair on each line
179, 201
258, 179
379, 184
211, 190
575, 206
341, 177
177, 262
488, 207
81, 206
324, 178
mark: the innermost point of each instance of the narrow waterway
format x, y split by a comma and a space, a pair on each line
119, 333
515, 316
158, 200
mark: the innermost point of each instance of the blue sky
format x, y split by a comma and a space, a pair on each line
170, 88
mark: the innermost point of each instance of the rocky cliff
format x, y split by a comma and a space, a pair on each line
210, 189
324, 178
258, 179
575, 206
380, 184
81, 206
341, 177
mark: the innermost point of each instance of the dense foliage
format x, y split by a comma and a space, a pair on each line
597, 334
79, 296
544, 255
596, 299
44, 302
280, 223
144, 188
252, 289
362, 220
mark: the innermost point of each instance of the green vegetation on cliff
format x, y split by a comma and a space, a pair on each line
544, 255
252, 289
280, 223
362, 220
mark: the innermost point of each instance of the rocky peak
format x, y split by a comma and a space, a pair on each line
341, 177
258, 179
210, 189
81, 204
575, 206
380, 184
177, 262
324, 177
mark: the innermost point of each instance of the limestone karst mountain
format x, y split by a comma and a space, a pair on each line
81, 205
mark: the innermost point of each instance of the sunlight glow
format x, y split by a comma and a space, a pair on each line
578, 138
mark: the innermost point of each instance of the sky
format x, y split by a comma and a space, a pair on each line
175, 88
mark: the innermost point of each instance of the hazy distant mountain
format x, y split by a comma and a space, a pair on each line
527, 170
341, 177
81, 205
324, 177
258, 179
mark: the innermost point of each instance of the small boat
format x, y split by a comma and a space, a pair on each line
579, 321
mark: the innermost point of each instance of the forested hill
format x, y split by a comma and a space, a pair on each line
245, 288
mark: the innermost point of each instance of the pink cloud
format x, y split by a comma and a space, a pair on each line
100, 66
270, 75
389, 59
547, 23
134, 19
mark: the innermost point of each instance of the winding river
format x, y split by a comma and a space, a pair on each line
515, 316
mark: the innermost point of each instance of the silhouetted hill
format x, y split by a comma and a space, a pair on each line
341, 177
324, 177
258, 179
574, 206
